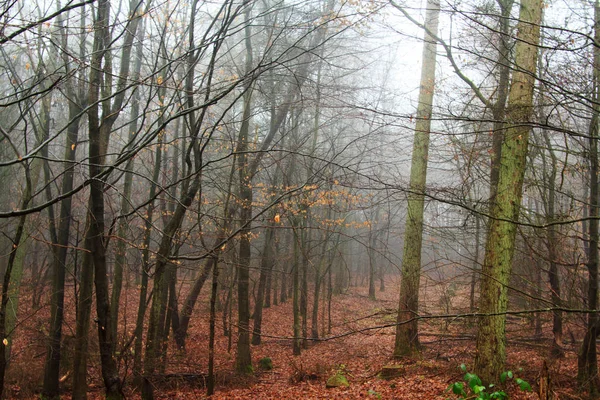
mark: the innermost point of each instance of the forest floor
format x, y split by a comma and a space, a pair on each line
359, 345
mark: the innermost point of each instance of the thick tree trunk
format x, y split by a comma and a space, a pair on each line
491, 354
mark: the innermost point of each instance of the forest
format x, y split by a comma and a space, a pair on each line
289, 199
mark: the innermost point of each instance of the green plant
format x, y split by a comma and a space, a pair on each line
266, 363
475, 389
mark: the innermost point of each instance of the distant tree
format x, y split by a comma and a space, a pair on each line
407, 334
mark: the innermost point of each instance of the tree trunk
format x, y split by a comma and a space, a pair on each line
500, 245
297, 341
52, 367
587, 362
407, 339
372, 256
499, 106
146, 265
285, 272
266, 266
243, 361
304, 246
95, 267
551, 246
156, 326
7, 278
121, 247
210, 384
475, 271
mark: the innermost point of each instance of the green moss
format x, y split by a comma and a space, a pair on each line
337, 380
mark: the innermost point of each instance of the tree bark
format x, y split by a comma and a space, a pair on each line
500, 244
499, 106
407, 339
266, 266
587, 361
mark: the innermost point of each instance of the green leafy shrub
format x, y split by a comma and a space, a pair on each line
475, 390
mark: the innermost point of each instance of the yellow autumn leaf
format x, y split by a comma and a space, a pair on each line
5, 341
73, 146
277, 218
159, 80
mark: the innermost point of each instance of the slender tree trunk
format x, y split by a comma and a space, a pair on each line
320, 273
156, 326
121, 247
15, 265
372, 257
314, 327
243, 359
475, 271
52, 366
551, 245
297, 341
266, 266
95, 265
173, 318
146, 264
499, 106
500, 245
6, 288
587, 365
121, 251
549, 198
372, 267
210, 385
269, 284
84, 309
329, 297
190, 301
285, 271
538, 293
98, 140
304, 246
407, 339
